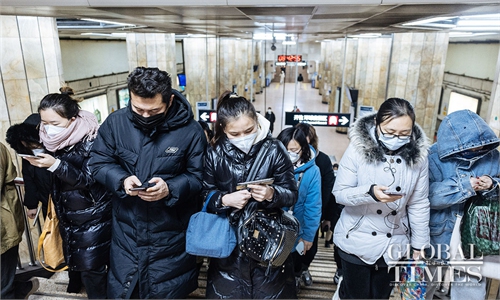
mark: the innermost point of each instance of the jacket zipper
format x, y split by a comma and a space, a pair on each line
356, 226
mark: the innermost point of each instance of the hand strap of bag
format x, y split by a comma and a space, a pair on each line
258, 160
301, 174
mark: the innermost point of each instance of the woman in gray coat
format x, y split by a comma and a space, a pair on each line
383, 183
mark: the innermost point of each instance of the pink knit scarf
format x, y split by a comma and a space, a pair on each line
85, 126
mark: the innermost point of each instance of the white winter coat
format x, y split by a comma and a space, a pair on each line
366, 227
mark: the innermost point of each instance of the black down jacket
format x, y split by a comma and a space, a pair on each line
239, 276
148, 243
84, 209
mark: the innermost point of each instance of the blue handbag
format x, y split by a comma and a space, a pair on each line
210, 235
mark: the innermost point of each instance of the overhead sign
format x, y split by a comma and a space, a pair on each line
207, 115
318, 119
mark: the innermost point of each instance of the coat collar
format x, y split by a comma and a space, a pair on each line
413, 153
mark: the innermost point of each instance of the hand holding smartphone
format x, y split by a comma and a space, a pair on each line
394, 193
244, 185
28, 156
143, 187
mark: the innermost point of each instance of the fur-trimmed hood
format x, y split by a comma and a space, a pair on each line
364, 141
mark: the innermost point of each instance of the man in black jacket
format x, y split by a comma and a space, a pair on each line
150, 154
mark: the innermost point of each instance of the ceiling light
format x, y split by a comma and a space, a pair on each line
477, 28
427, 21
469, 22
109, 22
468, 34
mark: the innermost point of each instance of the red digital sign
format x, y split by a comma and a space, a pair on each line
289, 58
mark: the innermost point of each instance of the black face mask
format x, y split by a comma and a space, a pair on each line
149, 122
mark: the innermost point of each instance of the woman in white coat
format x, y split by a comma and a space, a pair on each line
383, 183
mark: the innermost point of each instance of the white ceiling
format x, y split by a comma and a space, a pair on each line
316, 20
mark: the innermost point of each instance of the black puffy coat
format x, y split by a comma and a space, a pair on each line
239, 276
148, 243
83, 207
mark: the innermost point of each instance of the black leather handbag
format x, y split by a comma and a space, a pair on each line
266, 235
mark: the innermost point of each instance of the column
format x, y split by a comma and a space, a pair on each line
416, 73
153, 50
30, 68
372, 70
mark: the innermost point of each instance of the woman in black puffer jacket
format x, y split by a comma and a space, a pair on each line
239, 134
82, 205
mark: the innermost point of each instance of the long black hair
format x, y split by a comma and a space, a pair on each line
231, 107
394, 108
291, 133
63, 104
310, 132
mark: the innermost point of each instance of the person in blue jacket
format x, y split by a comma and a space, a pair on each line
463, 165
307, 210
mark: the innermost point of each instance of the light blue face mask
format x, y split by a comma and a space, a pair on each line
393, 143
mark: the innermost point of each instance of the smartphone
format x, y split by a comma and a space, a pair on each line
28, 155
143, 187
244, 185
300, 248
394, 193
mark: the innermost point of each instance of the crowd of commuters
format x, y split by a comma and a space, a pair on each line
124, 193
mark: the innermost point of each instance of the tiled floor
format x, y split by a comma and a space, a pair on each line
282, 99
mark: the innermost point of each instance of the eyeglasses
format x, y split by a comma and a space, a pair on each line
390, 136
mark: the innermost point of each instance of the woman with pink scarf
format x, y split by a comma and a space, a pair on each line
82, 205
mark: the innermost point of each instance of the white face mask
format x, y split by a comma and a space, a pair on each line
244, 143
53, 130
38, 151
294, 157
269, 111
394, 143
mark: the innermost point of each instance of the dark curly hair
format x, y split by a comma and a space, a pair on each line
292, 133
148, 82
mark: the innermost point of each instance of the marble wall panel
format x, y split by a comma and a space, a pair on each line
31, 66
28, 27
9, 27
140, 44
48, 28
12, 62
49, 56
18, 99
33, 58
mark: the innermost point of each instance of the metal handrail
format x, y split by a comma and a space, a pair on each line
19, 182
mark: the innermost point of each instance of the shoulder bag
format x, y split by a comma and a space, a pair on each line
209, 234
50, 242
266, 235
481, 225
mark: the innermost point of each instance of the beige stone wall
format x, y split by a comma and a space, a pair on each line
30, 68
153, 50
416, 73
372, 69
200, 67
